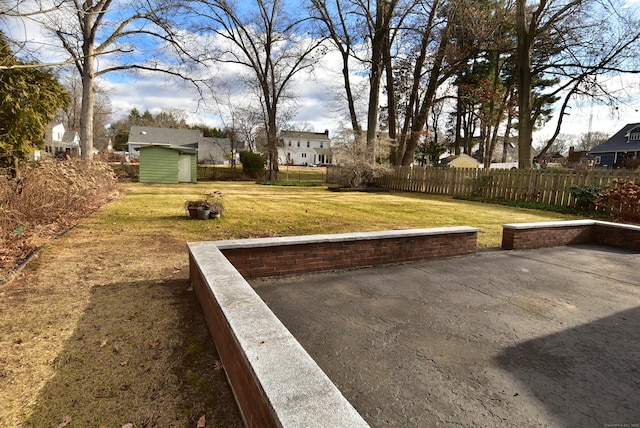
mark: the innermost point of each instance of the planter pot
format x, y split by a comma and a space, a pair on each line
193, 212
203, 213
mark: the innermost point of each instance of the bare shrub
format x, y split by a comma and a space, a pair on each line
49, 198
621, 200
359, 173
358, 168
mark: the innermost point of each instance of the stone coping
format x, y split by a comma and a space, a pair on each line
297, 391
338, 237
569, 223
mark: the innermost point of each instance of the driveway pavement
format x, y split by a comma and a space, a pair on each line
544, 338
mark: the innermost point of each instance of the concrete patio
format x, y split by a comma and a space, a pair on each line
538, 338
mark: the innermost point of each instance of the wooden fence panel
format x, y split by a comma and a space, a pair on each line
549, 186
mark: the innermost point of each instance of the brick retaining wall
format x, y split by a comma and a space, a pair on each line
525, 236
276, 383
253, 259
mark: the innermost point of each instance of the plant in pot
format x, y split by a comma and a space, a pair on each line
216, 208
215, 204
193, 206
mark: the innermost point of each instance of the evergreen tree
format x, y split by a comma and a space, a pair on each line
30, 97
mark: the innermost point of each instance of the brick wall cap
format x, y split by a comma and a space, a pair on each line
546, 224
569, 223
338, 237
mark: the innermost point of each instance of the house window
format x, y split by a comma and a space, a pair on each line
304, 155
598, 159
298, 143
308, 144
289, 143
634, 135
321, 144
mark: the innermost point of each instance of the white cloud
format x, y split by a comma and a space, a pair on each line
591, 116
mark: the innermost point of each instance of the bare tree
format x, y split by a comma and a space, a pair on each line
379, 29
71, 115
105, 36
335, 19
597, 46
534, 23
267, 38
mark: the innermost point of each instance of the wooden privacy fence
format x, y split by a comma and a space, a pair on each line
548, 186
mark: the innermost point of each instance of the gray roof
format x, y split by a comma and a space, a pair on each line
222, 142
620, 141
304, 135
69, 136
151, 135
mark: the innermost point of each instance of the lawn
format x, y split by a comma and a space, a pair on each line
100, 327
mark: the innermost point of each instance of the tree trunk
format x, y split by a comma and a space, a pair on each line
88, 98
377, 47
272, 143
507, 137
357, 130
391, 101
421, 116
525, 124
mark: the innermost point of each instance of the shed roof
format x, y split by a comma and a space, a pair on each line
178, 148
462, 160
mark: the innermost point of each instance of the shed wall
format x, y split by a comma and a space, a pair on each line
194, 168
158, 165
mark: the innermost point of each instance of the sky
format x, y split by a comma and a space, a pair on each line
316, 104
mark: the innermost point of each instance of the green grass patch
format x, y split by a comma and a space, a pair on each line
291, 183
254, 210
536, 206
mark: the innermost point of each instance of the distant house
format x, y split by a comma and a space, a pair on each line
140, 136
621, 149
209, 150
579, 158
217, 151
305, 148
59, 141
550, 158
460, 161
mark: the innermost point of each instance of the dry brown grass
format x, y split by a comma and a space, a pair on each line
100, 326
49, 198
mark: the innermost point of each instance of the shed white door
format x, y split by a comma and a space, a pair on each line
184, 168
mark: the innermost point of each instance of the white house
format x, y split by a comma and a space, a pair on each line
59, 141
305, 148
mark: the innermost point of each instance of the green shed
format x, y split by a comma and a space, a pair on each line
165, 163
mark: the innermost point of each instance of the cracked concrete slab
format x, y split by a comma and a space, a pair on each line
543, 338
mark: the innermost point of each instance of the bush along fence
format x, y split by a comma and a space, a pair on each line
545, 186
